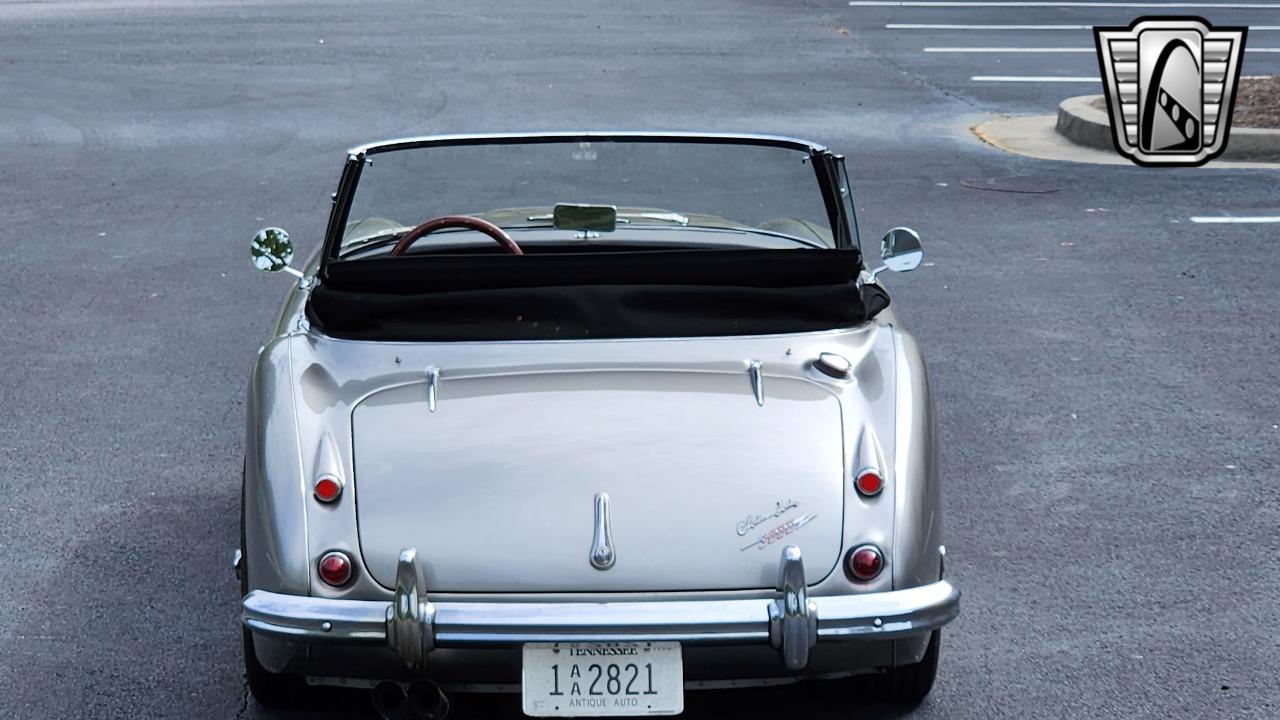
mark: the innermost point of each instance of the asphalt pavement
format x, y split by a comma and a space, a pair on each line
1011, 57
1106, 369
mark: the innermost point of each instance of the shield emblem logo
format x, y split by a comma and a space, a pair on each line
1170, 85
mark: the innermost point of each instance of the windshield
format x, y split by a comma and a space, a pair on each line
673, 193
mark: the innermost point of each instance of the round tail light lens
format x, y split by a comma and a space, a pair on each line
327, 488
869, 483
335, 568
865, 562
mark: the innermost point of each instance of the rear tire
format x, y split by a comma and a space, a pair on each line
273, 690
910, 684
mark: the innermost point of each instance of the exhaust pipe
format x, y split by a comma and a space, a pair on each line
423, 700
426, 701
389, 700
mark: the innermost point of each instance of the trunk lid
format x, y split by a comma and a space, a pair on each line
496, 488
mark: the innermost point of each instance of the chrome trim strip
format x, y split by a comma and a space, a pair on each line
869, 616
585, 135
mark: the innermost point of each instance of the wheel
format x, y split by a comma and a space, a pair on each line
910, 684
899, 688
270, 689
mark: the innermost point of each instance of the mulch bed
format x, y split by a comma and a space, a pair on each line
1257, 103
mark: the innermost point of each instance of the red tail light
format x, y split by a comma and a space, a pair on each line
327, 488
335, 568
865, 563
869, 483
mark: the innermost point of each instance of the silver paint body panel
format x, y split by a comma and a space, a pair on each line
500, 482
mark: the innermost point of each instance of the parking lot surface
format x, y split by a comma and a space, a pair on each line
1010, 57
1105, 367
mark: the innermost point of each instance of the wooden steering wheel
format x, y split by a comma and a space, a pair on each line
443, 222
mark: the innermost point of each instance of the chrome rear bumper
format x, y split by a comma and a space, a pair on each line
792, 622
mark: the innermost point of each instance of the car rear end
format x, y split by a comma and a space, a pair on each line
760, 508
638, 424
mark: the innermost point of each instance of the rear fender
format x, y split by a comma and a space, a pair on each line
917, 554
275, 529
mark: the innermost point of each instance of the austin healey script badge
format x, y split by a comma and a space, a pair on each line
1170, 85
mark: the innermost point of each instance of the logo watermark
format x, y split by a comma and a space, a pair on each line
1170, 84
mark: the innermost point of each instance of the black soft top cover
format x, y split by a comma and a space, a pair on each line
622, 294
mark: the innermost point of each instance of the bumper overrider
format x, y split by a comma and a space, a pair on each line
792, 622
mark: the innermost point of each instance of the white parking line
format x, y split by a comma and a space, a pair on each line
920, 26
1090, 51
959, 4
923, 26
1064, 78
1008, 50
1036, 79
1213, 220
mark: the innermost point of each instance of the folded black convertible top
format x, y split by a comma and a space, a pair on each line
665, 293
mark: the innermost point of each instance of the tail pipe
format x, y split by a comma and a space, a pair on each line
421, 700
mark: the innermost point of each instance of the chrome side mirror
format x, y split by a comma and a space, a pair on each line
900, 249
271, 251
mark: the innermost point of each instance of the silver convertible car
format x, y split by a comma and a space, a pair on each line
595, 418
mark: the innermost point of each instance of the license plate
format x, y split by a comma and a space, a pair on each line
600, 679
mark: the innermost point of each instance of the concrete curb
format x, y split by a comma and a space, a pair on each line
1083, 124
1036, 136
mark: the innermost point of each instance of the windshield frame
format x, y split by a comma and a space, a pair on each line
826, 168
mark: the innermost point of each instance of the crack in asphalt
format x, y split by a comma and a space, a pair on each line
884, 62
244, 702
